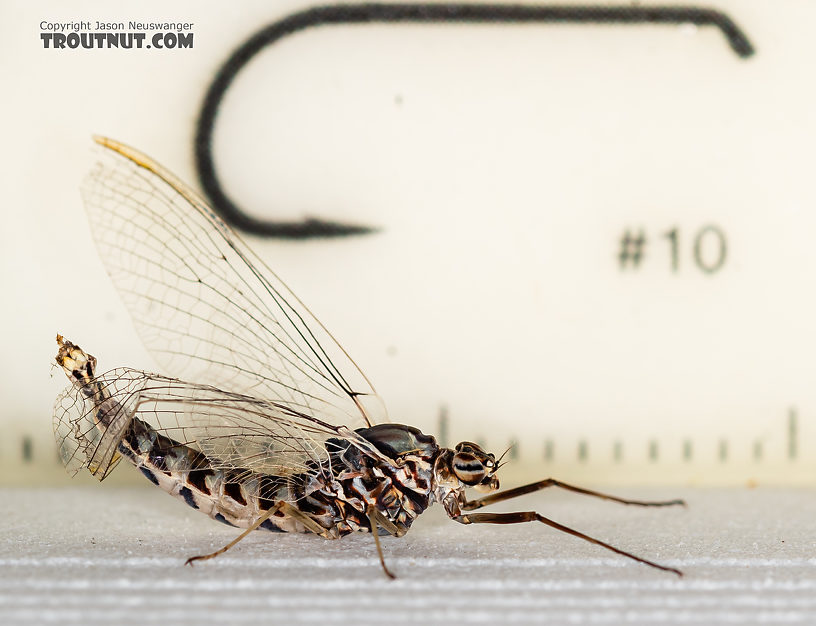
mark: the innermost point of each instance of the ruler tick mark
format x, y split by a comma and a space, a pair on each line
688, 450
442, 427
792, 433
583, 451
513, 449
549, 450
723, 451
28, 450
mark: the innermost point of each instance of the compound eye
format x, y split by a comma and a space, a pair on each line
469, 469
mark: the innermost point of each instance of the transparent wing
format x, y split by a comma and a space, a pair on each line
205, 305
89, 423
237, 433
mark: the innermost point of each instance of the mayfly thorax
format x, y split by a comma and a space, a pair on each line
265, 421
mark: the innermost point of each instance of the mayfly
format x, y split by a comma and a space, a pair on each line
280, 429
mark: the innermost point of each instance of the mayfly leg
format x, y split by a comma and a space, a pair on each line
531, 516
551, 482
255, 525
283, 507
375, 518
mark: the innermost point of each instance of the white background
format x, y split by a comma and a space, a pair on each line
503, 165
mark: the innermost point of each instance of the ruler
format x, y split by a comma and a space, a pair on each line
590, 244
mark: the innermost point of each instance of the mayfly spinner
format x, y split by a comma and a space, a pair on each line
279, 429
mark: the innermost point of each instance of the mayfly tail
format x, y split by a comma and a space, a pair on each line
96, 432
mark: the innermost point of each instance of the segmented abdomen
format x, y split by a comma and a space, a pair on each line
188, 475
239, 498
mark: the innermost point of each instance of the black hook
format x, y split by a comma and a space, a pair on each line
374, 13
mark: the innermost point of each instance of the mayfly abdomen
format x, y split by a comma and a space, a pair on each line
337, 506
226, 496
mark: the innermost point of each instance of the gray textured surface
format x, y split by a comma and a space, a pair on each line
114, 556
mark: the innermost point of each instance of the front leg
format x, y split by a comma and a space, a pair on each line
551, 482
532, 516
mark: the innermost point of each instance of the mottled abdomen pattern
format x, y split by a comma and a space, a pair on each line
336, 500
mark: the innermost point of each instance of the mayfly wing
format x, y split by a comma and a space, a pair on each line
90, 420
206, 307
236, 432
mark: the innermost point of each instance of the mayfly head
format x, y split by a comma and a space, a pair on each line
78, 366
474, 467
